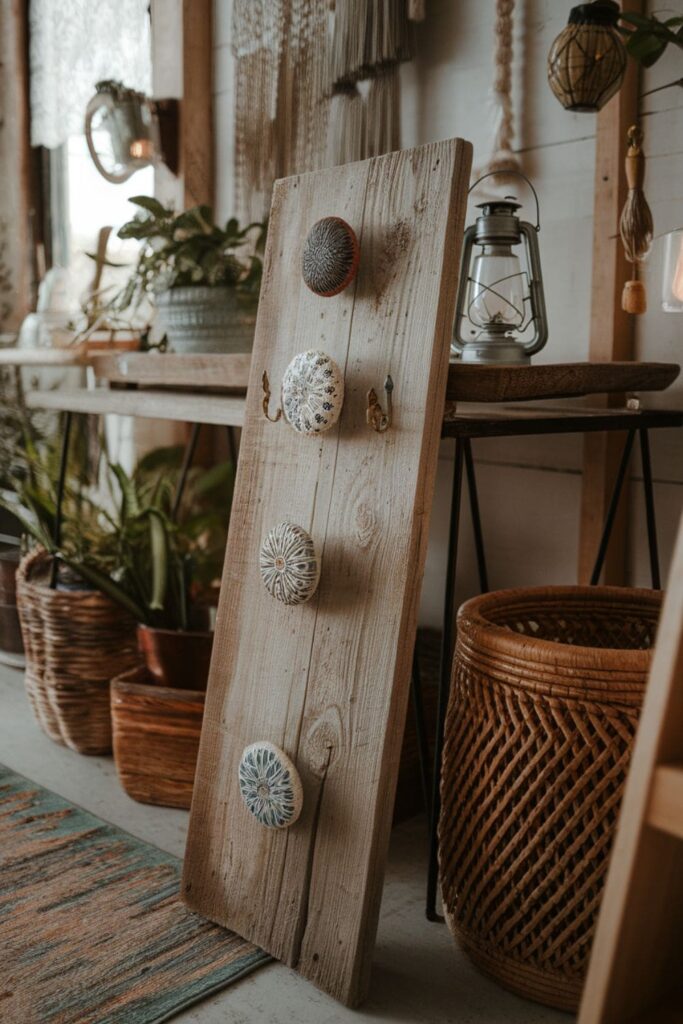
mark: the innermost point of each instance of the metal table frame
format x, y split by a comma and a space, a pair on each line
510, 422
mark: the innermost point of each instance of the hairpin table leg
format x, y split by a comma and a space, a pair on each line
188, 456
57, 531
447, 643
650, 508
476, 518
421, 729
612, 510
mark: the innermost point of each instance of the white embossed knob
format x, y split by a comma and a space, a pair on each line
270, 785
312, 392
290, 568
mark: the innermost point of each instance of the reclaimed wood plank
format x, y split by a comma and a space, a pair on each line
328, 681
471, 383
174, 370
222, 410
635, 960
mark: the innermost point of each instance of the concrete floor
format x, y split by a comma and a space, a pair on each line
418, 974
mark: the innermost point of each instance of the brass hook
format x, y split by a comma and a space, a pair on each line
266, 400
375, 415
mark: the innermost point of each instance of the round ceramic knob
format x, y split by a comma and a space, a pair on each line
312, 392
289, 565
270, 785
330, 258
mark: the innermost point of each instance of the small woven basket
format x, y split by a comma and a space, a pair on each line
547, 689
156, 738
75, 643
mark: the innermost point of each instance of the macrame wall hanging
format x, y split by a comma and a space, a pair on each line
316, 85
502, 157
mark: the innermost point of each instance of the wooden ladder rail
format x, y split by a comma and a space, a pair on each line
635, 969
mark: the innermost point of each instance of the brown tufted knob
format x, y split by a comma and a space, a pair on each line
330, 257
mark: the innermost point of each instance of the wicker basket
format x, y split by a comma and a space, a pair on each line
547, 689
156, 738
75, 642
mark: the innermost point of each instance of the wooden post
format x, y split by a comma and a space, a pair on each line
15, 236
611, 330
182, 68
182, 63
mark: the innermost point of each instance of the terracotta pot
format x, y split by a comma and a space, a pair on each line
9, 561
10, 630
175, 658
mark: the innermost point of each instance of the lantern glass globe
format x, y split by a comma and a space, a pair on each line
496, 292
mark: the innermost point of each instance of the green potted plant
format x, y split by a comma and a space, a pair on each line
204, 279
167, 561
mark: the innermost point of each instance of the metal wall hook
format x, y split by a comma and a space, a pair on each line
375, 415
266, 400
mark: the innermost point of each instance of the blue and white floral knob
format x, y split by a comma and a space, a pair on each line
312, 392
270, 785
289, 566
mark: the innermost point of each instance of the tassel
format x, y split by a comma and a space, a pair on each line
635, 224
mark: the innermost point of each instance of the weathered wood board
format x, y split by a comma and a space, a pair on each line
327, 681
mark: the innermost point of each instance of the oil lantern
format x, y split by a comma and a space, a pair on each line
498, 296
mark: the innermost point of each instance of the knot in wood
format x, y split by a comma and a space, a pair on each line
330, 257
323, 742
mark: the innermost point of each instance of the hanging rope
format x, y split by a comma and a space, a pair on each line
502, 158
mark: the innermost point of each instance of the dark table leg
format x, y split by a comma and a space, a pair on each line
61, 483
612, 510
650, 509
188, 456
476, 518
447, 643
421, 730
232, 447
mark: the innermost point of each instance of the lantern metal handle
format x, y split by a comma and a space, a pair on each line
517, 174
536, 295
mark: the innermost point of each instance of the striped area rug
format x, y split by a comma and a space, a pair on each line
92, 929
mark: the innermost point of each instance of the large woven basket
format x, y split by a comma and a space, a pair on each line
75, 642
547, 689
156, 738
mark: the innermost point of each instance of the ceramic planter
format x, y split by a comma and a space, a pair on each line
176, 658
203, 319
9, 562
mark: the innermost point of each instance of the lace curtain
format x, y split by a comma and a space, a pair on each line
73, 45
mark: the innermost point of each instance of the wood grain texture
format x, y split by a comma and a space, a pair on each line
635, 961
223, 410
611, 329
328, 681
471, 383
229, 372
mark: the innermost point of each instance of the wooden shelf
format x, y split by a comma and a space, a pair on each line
171, 370
665, 810
472, 383
223, 410
35, 357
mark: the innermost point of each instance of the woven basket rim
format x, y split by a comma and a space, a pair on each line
87, 599
472, 619
129, 683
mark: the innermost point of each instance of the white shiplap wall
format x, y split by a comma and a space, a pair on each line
529, 488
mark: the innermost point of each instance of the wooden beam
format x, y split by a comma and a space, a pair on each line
611, 329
